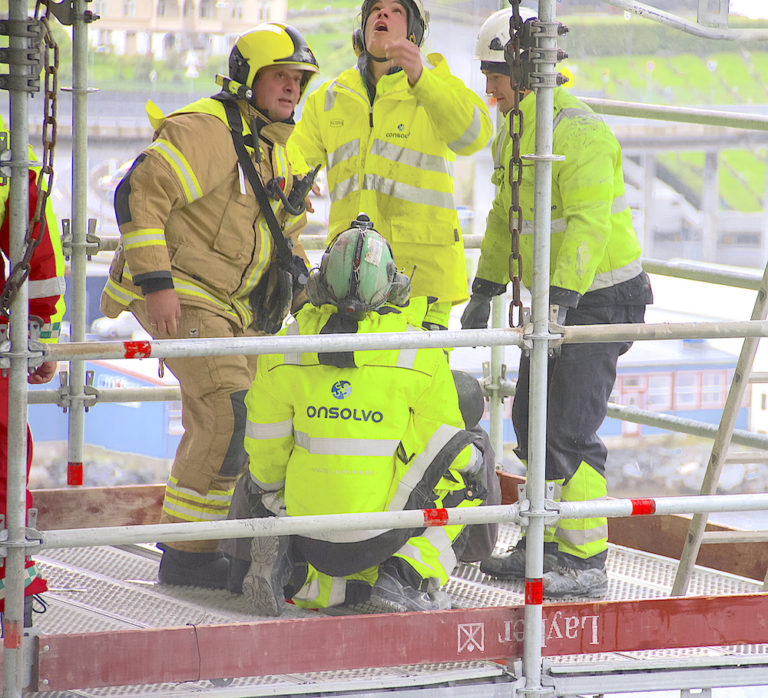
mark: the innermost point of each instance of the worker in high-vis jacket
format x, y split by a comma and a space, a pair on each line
45, 292
389, 131
356, 431
199, 258
595, 278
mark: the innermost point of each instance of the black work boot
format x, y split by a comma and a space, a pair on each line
396, 591
511, 564
178, 567
237, 571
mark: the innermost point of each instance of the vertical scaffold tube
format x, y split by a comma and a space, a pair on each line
76, 413
537, 436
16, 499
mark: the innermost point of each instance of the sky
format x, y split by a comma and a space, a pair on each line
757, 9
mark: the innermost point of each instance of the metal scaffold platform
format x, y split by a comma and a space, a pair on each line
112, 589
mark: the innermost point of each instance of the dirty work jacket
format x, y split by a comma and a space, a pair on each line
365, 438
189, 219
593, 245
394, 159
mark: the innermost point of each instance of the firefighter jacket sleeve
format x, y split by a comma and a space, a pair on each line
46, 274
460, 117
175, 170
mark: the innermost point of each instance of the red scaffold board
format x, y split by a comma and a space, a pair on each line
190, 653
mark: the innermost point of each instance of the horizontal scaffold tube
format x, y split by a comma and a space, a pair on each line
378, 521
172, 348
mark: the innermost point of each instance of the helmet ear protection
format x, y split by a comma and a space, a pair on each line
357, 273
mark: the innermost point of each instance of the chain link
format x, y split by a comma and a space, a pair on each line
512, 57
44, 181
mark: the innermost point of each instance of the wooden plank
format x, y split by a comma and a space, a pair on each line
94, 507
327, 643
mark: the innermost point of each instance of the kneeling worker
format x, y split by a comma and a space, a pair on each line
351, 432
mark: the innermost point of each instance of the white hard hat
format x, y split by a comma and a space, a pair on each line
494, 34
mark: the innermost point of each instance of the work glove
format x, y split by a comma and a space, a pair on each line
478, 310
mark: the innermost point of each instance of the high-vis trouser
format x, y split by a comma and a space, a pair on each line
580, 380
430, 558
211, 453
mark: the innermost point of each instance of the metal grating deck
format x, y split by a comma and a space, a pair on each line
107, 588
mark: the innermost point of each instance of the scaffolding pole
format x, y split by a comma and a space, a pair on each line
16, 501
76, 373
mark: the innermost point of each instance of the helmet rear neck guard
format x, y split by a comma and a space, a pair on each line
357, 273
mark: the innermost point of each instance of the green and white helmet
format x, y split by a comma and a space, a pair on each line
357, 273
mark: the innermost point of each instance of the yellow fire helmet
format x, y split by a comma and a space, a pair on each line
270, 44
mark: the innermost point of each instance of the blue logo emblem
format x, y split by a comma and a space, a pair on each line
341, 389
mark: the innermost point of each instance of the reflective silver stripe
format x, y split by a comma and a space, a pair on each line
570, 113
443, 434
616, 276
407, 192
189, 514
619, 204
44, 288
471, 134
294, 358
413, 158
322, 446
330, 97
180, 165
441, 542
344, 187
343, 152
581, 536
557, 226
475, 460
275, 430
271, 487
406, 358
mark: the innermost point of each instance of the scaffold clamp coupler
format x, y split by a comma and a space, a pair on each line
33, 539
551, 511
92, 244
89, 397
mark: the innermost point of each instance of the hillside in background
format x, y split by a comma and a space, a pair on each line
611, 55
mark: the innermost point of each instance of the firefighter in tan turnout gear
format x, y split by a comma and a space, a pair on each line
595, 278
362, 431
389, 130
209, 218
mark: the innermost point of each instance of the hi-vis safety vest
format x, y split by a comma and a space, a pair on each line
394, 160
46, 283
331, 440
593, 244
189, 219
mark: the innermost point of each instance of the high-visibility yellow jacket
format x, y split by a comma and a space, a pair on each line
394, 159
329, 440
593, 244
46, 267
189, 219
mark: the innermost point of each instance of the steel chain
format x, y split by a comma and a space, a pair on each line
512, 56
44, 181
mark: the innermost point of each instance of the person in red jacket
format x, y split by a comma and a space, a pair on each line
46, 304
